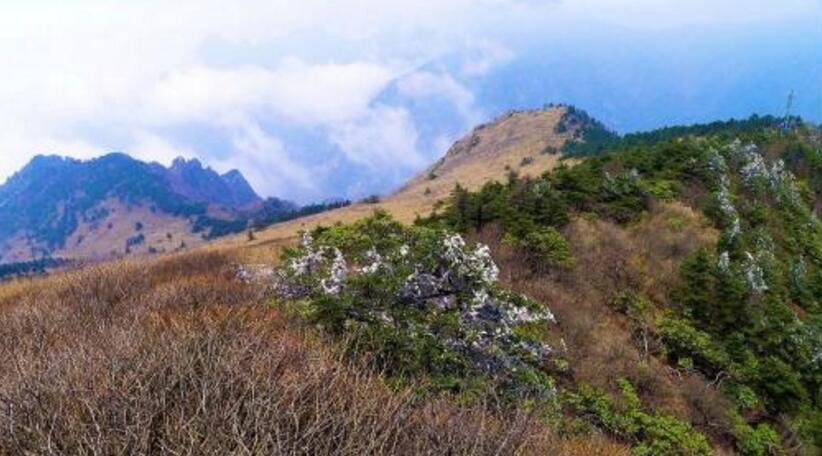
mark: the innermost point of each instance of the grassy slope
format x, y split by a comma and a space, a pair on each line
499, 147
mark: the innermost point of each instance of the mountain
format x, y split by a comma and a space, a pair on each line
670, 282
579, 293
239, 188
190, 179
116, 204
528, 143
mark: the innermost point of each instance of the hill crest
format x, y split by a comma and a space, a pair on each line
528, 143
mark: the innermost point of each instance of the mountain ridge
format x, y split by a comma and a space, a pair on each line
525, 142
61, 206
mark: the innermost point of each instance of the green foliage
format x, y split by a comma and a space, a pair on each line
746, 312
651, 434
759, 440
811, 426
663, 190
709, 295
34, 267
592, 137
682, 340
781, 384
544, 249
421, 304
595, 138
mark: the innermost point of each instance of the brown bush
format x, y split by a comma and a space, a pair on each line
172, 356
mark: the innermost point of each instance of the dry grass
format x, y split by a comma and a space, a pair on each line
487, 154
95, 240
172, 356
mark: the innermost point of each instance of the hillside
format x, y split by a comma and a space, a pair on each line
658, 294
525, 142
680, 266
116, 205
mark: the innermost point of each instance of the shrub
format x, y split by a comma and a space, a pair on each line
172, 356
421, 303
545, 249
682, 340
652, 434
664, 190
761, 440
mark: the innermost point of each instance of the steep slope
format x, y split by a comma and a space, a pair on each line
239, 188
526, 142
190, 179
669, 284
683, 267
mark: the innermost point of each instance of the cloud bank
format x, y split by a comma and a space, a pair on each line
312, 99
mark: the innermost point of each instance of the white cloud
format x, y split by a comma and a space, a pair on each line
294, 91
150, 147
660, 14
423, 84
265, 161
35, 141
383, 139
479, 59
137, 70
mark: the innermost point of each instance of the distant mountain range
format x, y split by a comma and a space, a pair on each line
115, 205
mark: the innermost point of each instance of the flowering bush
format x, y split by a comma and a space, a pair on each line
423, 302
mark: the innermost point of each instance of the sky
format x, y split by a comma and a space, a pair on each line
314, 99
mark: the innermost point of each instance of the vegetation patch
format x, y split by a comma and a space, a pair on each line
423, 303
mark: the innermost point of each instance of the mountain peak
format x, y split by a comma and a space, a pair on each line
201, 183
182, 163
242, 191
233, 174
60, 204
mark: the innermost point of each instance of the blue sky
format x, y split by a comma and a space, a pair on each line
319, 99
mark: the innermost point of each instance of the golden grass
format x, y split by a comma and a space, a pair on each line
488, 154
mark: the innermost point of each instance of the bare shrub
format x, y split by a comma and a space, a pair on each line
172, 356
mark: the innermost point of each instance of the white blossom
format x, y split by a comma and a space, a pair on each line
460, 279
482, 262
724, 263
717, 163
307, 263
254, 273
375, 261
754, 168
754, 275
339, 270
306, 240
